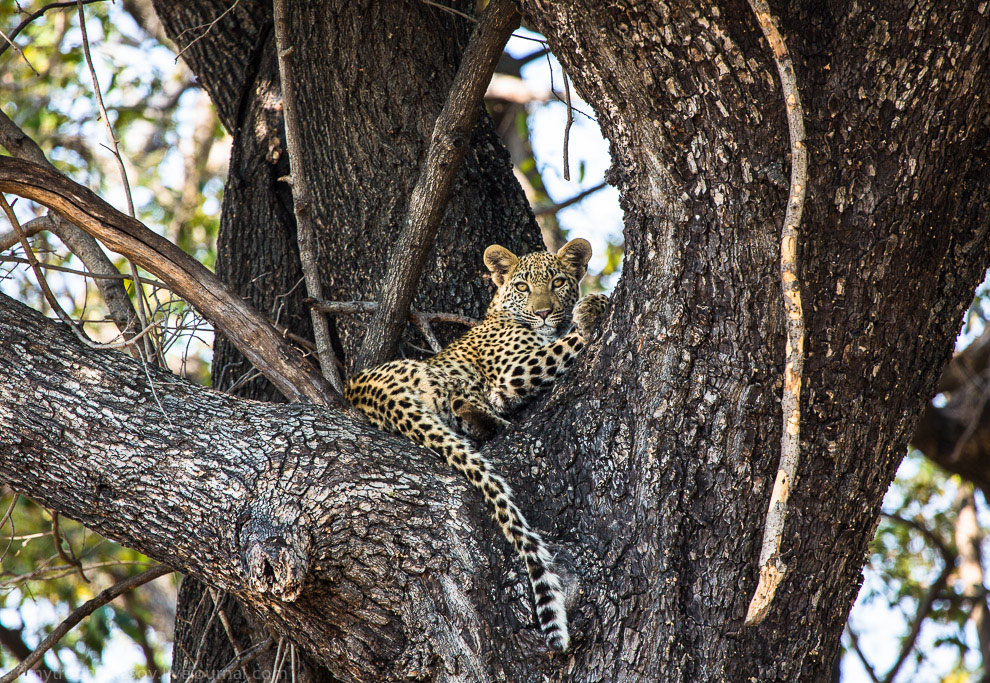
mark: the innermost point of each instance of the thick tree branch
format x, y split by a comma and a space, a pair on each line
279, 361
358, 546
428, 201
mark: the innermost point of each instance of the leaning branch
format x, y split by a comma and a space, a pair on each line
283, 364
78, 241
302, 196
772, 568
81, 613
451, 137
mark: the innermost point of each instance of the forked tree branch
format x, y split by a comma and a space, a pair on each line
428, 202
772, 568
282, 363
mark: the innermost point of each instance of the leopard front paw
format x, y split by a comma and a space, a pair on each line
588, 313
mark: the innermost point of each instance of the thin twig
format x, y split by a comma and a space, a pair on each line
428, 201
207, 28
358, 307
279, 659
854, 640
554, 208
67, 557
8, 516
245, 658
40, 276
772, 568
567, 127
83, 273
450, 10
37, 13
302, 196
18, 50
81, 613
148, 348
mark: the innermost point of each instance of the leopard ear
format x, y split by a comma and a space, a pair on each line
575, 256
500, 262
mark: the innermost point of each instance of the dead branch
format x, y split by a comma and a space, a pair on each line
283, 364
302, 197
451, 138
580, 196
357, 307
772, 568
81, 613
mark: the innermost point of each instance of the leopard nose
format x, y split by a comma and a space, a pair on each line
544, 313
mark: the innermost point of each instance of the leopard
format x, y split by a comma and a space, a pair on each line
531, 334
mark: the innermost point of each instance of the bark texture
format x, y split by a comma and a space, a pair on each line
365, 143
651, 465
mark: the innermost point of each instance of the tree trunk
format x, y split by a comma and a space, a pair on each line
651, 465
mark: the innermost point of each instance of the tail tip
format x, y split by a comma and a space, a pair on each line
558, 640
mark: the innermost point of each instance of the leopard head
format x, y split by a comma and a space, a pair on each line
538, 290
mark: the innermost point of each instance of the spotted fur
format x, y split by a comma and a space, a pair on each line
466, 390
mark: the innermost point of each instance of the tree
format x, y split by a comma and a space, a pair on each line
652, 464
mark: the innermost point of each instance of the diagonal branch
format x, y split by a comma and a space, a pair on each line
283, 364
302, 196
81, 613
451, 136
78, 241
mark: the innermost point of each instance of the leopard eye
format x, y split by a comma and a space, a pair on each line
558, 282
522, 286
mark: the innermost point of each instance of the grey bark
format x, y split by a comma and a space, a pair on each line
651, 465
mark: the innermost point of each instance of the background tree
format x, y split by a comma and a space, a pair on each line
683, 431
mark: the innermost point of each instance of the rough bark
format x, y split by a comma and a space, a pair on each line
365, 144
652, 464
897, 209
302, 513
